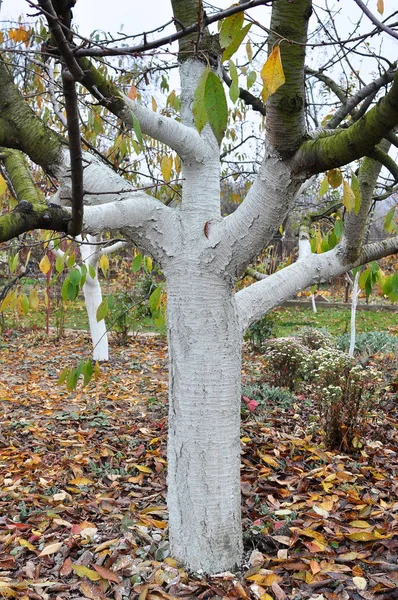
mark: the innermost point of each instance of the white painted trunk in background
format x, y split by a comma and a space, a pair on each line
355, 295
99, 336
91, 254
204, 421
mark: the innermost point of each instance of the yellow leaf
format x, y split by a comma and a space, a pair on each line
335, 178
26, 544
45, 265
362, 536
104, 263
348, 196
166, 166
154, 104
360, 524
266, 597
3, 185
272, 74
34, 299
270, 461
142, 468
249, 51
380, 6
177, 164
81, 481
83, 571
171, 562
46, 301
51, 549
7, 301
106, 544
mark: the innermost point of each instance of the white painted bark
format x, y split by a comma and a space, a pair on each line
91, 253
354, 302
204, 419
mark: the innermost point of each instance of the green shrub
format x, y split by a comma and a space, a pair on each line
344, 391
261, 331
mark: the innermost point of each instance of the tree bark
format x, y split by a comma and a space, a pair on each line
204, 420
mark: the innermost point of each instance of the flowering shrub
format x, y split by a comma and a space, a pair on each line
285, 358
344, 391
315, 338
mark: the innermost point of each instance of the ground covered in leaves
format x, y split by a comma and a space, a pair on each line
82, 480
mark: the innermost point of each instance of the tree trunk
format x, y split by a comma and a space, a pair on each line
99, 336
204, 421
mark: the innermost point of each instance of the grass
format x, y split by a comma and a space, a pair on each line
335, 320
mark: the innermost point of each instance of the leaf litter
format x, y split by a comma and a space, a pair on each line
83, 488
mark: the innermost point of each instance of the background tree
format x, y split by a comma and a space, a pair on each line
202, 253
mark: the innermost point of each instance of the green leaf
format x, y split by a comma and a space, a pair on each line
137, 128
389, 220
63, 376
230, 28
216, 105
198, 106
80, 368
233, 71
87, 372
374, 267
338, 228
59, 264
75, 277
363, 278
251, 78
71, 380
71, 260
154, 299
324, 187
92, 272
25, 303
111, 301
236, 42
234, 92
102, 310
137, 263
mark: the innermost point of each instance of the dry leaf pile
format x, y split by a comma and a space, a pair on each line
82, 480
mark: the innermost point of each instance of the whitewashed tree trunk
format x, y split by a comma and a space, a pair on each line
354, 302
93, 297
204, 421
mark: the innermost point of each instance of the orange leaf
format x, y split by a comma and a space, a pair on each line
107, 574
132, 92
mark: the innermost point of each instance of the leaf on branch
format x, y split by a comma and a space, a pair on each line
137, 263
348, 196
380, 6
230, 28
335, 178
104, 264
323, 187
198, 107
272, 74
102, 310
389, 220
166, 167
236, 42
45, 265
132, 92
249, 51
137, 128
216, 105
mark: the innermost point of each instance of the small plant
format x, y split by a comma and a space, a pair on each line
261, 331
285, 358
370, 343
315, 338
124, 317
344, 391
264, 394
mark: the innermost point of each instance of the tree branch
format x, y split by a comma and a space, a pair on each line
375, 21
350, 144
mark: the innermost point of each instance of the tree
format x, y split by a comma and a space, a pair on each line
201, 253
